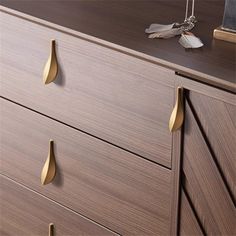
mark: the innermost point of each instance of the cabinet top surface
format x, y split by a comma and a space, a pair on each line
123, 22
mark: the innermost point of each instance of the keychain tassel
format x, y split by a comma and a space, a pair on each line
187, 40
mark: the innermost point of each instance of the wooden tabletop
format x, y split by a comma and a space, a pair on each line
123, 22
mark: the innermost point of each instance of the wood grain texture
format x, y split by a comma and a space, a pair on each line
123, 23
204, 89
204, 184
175, 175
217, 120
116, 97
177, 146
24, 212
188, 224
117, 189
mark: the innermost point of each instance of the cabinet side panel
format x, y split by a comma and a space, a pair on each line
188, 222
217, 120
203, 182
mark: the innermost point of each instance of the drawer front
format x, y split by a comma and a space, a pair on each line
112, 95
115, 188
24, 212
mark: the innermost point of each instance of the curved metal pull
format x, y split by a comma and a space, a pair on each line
51, 67
177, 115
51, 229
49, 169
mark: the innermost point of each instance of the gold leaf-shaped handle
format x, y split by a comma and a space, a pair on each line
177, 115
49, 169
51, 229
51, 67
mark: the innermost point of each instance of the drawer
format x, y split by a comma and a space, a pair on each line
112, 95
24, 212
115, 188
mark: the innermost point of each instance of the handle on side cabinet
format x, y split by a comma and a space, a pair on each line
177, 115
51, 67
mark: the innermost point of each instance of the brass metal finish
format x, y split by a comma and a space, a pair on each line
51, 229
49, 169
51, 67
177, 115
225, 35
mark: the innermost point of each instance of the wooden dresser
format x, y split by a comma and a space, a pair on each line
86, 143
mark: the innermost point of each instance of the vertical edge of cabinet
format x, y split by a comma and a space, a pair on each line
175, 173
175, 180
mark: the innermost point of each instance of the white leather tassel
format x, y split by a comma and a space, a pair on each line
187, 39
157, 28
163, 31
190, 41
166, 34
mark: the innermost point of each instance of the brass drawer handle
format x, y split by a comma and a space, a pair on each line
51, 67
177, 115
51, 229
49, 169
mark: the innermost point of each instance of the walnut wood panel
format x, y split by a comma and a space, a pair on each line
126, 193
188, 223
217, 120
111, 95
123, 23
203, 182
175, 175
202, 88
176, 153
24, 212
